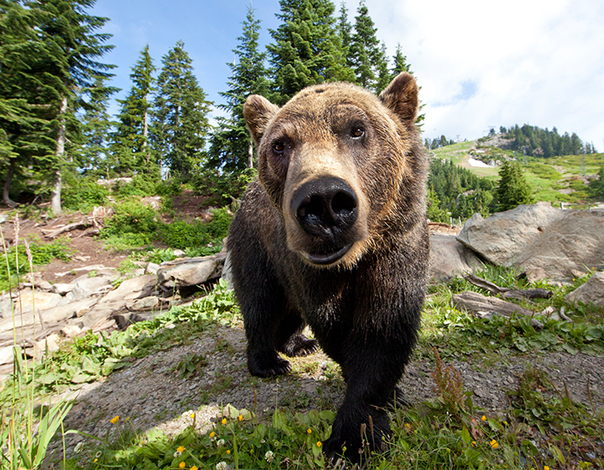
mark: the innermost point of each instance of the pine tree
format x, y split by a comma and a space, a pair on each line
344, 29
512, 189
130, 147
231, 148
307, 48
20, 121
96, 126
180, 122
68, 49
365, 53
400, 63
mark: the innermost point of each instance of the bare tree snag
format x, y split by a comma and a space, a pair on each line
506, 292
486, 307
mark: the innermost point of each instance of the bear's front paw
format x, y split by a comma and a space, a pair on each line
299, 345
351, 439
267, 364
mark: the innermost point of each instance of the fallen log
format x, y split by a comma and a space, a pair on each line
506, 292
486, 307
82, 224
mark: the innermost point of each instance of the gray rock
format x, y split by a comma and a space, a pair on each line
145, 303
449, 258
543, 241
91, 286
134, 288
503, 237
592, 292
190, 271
152, 268
6, 355
62, 288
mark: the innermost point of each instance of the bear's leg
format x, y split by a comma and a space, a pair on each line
372, 369
290, 340
263, 307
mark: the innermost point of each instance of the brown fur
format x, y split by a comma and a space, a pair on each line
335, 237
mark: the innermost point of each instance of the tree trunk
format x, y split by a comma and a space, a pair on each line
55, 193
7, 185
250, 156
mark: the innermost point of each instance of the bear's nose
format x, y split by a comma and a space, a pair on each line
325, 207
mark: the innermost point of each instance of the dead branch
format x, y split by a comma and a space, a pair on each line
506, 292
82, 224
486, 307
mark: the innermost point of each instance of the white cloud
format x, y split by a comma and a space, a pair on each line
491, 63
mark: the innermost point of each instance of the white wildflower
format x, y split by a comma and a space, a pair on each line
269, 456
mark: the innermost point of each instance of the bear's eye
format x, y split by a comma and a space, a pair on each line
279, 147
357, 132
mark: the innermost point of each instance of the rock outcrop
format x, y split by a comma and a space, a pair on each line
543, 241
38, 317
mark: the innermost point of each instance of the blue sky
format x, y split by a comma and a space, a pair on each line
479, 63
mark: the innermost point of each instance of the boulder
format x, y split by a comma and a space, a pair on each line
190, 271
592, 292
503, 237
24, 301
543, 241
91, 286
135, 288
449, 258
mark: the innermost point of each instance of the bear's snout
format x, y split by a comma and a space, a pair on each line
326, 209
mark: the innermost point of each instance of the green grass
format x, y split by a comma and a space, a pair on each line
546, 176
542, 426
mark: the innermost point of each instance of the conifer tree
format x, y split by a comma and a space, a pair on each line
365, 53
20, 120
512, 189
180, 122
307, 48
68, 51
231, 148
130, 147
400, 63
344, 29
96, 126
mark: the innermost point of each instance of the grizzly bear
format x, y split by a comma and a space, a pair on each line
333, 235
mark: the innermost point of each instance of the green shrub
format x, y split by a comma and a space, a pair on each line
168, 188
132, 217
84, 196
141, 185
184, 235
15, 262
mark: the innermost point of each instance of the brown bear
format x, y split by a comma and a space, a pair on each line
333, 235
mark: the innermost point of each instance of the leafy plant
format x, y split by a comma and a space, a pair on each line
83, 195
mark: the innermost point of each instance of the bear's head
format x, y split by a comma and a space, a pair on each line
338, 162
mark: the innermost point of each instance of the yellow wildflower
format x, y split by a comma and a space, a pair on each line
240, 417
182, 465
484, 418
494, 444
212, 434
309, 431
319, 444
192, 415
181, 449
228, 451
546, 468
115, 420
194, 467
224, 421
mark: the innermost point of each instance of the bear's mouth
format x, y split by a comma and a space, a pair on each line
325, 258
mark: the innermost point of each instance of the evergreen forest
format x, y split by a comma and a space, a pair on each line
57, 138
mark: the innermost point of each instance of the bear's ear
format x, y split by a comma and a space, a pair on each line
401, 97
257, 112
